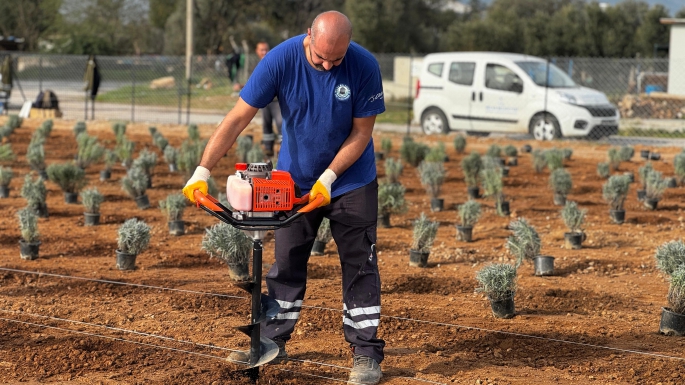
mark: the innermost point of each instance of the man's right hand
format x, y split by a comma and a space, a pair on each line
197, 182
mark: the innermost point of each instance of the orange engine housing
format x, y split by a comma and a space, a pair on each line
275, 194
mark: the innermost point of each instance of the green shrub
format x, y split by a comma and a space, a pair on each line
386, 145
134, 236
110, 159
655, 185
35, 155
554, 158
190, 156
573, 216
525, 242
413, 153
172, 207
494, 151
243, 147
227, 243
119, 130
393, 170
124, 150
670, 256
460, 144
471, 165
193, 132
432, 177
603, 170
92, 199
33, 190
424, 234
160, 141
255, 155
391, 198
6, 176
152, 130
135, 182
615, 191
497, 281
6, 131
324, 234
560, 182
89, 150
469, 213
539, 161
436, 154
14, 121
567, 152
146, 160
79, 128
626, 153
6, 153
45, 128
492, 186
643, 172
678, 165
28, 225
69, 177
491, 163
511, 151
676, 291
37, 139
170, 155
614, 155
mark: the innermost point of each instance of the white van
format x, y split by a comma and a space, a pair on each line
483, 92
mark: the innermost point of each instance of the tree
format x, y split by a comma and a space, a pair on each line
28, 19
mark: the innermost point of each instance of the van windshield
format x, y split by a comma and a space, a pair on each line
537, 70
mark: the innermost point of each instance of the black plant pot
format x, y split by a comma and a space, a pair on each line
176, 228
239, 271
559, 199
650, 203
464, 234
672, 183
526, 148
384, 221
437, 204
641, 195
654, 156
474, 192
28, 251
544, 265
143, 202
318, 248
500, 161
672, 324
71, 198
91, 219
504, 207
105, 175
149, 181
630, 175
573, 241
125, 261
43, 174
4, 191
505, 171
418, 259
41, 210
503, 308
513, 162
173, 167
644, 154
617, 216
379, 155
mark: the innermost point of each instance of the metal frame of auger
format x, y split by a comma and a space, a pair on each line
262, 349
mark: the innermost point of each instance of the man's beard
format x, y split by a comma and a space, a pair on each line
319, 67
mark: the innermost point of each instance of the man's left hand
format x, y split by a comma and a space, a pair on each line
323, 187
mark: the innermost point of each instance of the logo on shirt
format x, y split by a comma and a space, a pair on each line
342, 92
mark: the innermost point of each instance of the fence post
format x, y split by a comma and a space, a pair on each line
40, 73
188, 105
133, 94
411, 63
179, 92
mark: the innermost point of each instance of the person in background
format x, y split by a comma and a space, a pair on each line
271, 113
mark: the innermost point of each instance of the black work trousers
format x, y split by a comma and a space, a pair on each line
271, 114
353, 217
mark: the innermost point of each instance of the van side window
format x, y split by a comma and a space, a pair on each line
436, 69
501, 78
462, 73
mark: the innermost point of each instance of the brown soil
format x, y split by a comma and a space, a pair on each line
607, 295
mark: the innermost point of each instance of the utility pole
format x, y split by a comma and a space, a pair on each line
189, 38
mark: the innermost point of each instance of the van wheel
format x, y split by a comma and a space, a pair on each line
433, 121
544, 126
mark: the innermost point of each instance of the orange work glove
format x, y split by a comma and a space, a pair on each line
323, 187
197, 182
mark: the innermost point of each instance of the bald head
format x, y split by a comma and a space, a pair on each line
331, 27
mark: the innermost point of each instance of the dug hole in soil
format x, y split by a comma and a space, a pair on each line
608, 293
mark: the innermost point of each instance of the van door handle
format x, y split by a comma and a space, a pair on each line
473, 96
481, 96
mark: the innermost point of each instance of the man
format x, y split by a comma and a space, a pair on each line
271, 113
330, 92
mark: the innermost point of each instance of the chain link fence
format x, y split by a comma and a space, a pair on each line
649, 95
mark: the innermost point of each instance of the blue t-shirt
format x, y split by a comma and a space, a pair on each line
317, 109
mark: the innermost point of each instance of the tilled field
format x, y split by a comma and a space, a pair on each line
595, 321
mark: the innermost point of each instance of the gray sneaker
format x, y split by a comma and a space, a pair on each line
243, 356
365, 371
